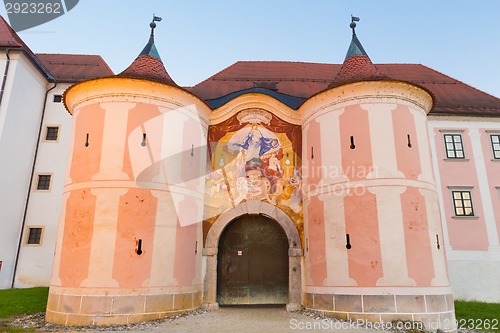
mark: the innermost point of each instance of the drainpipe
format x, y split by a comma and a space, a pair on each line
5, 75
28, 195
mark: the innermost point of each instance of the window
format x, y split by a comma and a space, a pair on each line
34, 236
52, 133
495, 145
57, 98
462, 202
43, 182
454, 146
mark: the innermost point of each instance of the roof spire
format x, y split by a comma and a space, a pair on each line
355, 48
150, 48
148, 64
357, 65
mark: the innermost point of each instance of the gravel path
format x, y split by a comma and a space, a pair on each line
251, 320
225, 320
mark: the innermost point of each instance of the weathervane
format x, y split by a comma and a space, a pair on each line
354, 19
153, 24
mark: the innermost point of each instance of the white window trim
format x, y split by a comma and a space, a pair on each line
27, 235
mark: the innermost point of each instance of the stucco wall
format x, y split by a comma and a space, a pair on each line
19, 121
44, 208
471, 242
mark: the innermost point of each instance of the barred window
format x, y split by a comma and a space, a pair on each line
43, 182
454, 146
495, 145
35, 236
462, 202
52, 133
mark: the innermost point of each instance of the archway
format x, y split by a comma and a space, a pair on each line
295, 252
252, 262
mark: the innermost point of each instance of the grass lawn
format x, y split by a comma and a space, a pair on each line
22, 301
478, 316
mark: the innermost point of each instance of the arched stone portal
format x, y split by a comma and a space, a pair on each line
295, 252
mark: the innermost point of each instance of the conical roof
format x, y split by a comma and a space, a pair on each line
148, 64
357, 65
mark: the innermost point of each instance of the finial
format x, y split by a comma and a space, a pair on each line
152, 25
354, 19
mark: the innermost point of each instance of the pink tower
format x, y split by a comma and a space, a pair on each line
123, 254
373, 240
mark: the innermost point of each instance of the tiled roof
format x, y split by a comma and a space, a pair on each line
357, 68
149, 68
297, 79
9, 39
148, 64
357, 65
301, 79
71, 68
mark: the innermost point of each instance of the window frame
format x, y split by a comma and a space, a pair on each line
462, 189
28, 234
38, 175
492, 144
57, 96
46, 132
454, 143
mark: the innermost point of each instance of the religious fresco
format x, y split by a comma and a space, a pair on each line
255, 156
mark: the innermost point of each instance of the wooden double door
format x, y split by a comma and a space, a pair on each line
252, 262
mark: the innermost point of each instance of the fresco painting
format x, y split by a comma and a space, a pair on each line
255, 157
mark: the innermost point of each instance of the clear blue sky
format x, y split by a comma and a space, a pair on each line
196, 39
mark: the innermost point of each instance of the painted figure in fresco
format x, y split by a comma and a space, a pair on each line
256, 144
253, 162
274, 164
240, 164
273, 169
216, 180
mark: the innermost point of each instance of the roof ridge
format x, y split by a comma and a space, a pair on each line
282, 61
453, 79
68, 54
243, 62
210, 77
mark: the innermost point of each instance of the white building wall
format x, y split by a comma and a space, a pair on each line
473, 274
44, 208
20, 112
